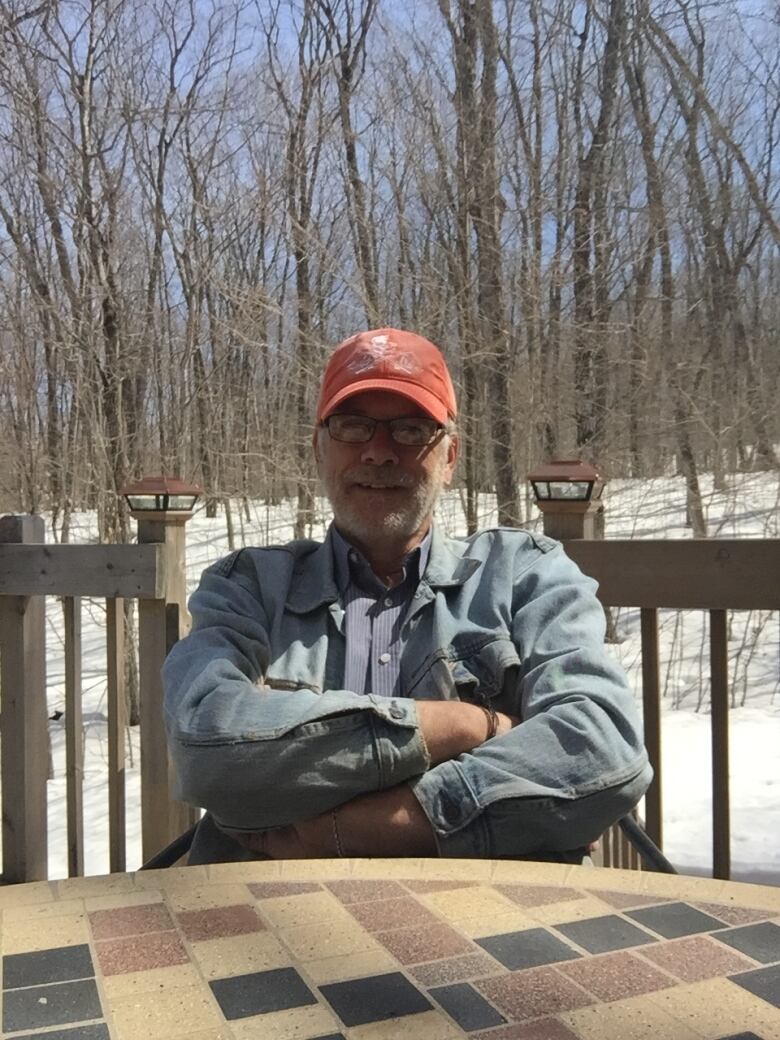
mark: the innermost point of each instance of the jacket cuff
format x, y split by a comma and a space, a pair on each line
454, 812
399, 746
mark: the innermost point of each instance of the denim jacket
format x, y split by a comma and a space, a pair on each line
262, 735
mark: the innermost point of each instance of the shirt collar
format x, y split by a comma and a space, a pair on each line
414, 563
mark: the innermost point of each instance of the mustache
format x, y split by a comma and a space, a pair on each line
372, 475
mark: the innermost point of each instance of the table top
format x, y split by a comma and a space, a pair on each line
375, 949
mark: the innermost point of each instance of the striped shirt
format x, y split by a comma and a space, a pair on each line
373, 616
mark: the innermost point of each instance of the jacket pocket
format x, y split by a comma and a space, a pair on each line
476, 670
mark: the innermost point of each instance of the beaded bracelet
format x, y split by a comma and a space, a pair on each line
492, 717
336, 837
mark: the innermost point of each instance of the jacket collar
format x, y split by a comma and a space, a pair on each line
314, 584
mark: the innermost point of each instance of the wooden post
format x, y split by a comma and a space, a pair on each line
24, 724
163, 818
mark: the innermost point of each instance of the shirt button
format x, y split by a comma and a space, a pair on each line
388, 601
417, 594
384, 658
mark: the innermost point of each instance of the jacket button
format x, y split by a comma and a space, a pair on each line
396, 712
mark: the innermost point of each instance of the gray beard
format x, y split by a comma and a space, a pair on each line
398, 523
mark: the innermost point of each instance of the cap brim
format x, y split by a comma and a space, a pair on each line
423, 398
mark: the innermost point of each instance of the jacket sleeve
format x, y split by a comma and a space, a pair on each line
258, 757
576, 763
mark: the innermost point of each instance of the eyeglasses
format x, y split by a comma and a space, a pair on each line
359, 429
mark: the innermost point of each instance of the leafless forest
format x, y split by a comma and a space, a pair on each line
577, 199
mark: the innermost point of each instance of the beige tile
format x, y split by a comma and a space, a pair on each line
295, 1024
236, 873
350, 966
319, 941
633, 1019
172, 877
123, 899
629, 881
223, 1033
319, 869
508, 872
26, 895
569, 910
239, 955
158, 981
176, 1012
44, 911
430, 1025
24, 936
86, 887
205, 896
307, 908
717, 1007
464, 903
515, 921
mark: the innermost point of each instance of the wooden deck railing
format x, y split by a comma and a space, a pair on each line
715, 576
30, 571
712, 575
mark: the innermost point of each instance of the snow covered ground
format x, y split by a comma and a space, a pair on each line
635, 509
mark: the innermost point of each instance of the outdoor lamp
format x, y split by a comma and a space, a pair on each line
155, 495
566, 480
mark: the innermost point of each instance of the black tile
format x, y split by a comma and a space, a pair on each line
99, 1031
672, 920
731, 1036
44, 966
603, 934
759, 941
763, 982
261, 992
41, 1006
374, 999
331, 1036
469, 1009
527, 949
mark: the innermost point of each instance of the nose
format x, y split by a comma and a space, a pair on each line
381, 449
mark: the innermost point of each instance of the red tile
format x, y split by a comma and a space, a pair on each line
382, 914
275, 889
735, 915
140, 953
624, 900
542, 1029
130, 920
534, 993
363, 891
616, 976
415, 945
454, 969
538, 895
438, 886
219, 922
697, 958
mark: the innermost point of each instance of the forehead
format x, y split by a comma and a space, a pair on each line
380, 404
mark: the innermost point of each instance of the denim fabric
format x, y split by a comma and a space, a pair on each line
262, 735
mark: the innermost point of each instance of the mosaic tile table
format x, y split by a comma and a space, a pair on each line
374, 949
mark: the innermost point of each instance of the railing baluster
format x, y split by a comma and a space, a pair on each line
651, 704
115, 653
721, 822
74, 737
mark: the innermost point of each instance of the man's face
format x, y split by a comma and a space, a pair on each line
381, 488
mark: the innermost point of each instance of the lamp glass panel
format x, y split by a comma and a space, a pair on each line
541, 488
144, 502
570, 490
182, 502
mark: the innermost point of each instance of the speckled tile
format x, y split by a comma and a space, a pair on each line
45, 966
541, 1029
415, 945
374, 999
26, 895
25, 936
696, 958
41, 1006
308, 908
357, 891
735, 915
632, 1019
429, 1025
531, 994
317, 942
626, 900
122, 899
422, 887
454, 969
466, 1007
204, 897
219, 922
762, 982
278, 889
140, 953
605, 934
673, 920
261, 992
616, 976
383, 914
351, 966
717, 1007
527, 949
173, 1013
301, 1023
43, 911
759, 941
537, 895
96, 1031
585, 909
131, 920
467, 904
150, 983
256, 951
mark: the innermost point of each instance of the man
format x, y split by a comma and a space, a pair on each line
393, 691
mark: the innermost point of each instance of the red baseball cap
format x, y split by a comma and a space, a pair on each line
393, 360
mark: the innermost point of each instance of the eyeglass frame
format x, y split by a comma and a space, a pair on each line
437, 428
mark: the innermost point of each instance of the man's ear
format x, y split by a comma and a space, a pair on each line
315, 443
453, 449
